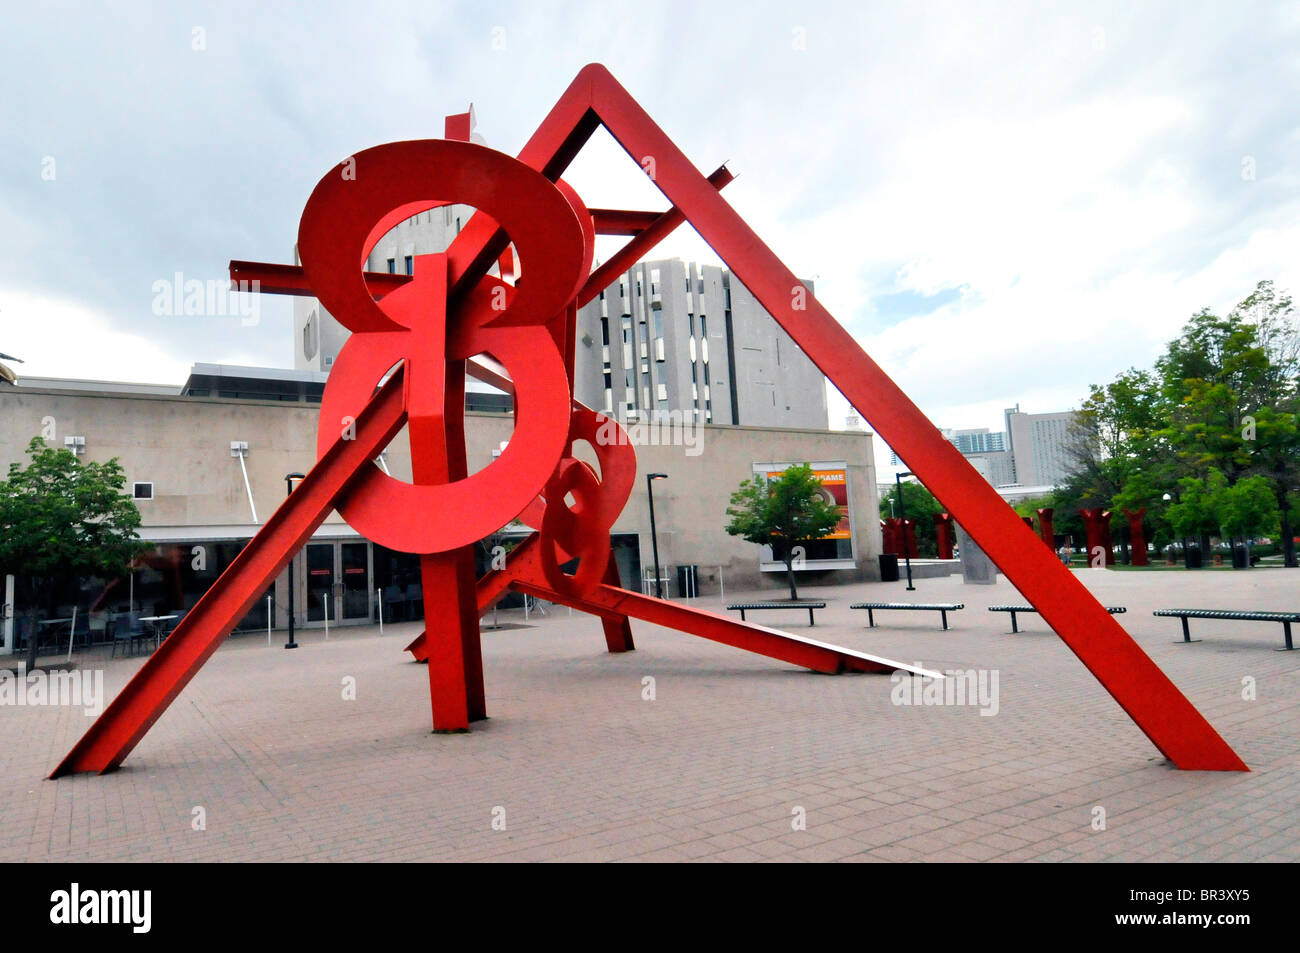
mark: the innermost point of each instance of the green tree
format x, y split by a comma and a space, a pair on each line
1247, 508
61, 520
920, 507
1221, 399
1196, 512
782, 513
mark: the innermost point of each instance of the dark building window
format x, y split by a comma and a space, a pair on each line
410, 265
392, 266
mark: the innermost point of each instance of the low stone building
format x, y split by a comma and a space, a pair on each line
206, 463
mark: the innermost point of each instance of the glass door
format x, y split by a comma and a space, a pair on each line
320, 579
354, 582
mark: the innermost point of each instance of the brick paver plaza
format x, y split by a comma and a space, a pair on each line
575, 763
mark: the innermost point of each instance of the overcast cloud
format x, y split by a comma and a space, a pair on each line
1005, 203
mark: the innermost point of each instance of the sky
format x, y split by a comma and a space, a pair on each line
1004, 203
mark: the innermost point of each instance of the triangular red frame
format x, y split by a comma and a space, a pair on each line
595, 98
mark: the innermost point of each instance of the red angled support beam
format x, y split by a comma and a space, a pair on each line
124, 722
615, 606
1172, 723
759, 639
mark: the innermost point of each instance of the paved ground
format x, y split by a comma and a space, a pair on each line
732, 752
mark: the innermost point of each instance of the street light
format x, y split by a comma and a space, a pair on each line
654, 538
290, 480
902, 512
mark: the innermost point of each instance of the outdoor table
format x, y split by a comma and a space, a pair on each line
41, 622
155, 623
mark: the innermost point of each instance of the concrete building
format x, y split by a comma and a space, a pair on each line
206, 462
674, 336
1033, 451
1039, 443
988, 452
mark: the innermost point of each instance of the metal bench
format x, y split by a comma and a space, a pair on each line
943, 608
744, 607
1286, 618
1113, 610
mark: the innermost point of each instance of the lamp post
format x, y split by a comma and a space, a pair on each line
291, 480
654, 538
902, 512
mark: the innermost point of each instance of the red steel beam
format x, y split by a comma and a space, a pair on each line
124, 722
523, 573
615, 221
292, 280
794, 649
640, 246
1154, 703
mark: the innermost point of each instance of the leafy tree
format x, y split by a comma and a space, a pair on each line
1221, 399
1247, 508
920, 506
61, 520
782, 513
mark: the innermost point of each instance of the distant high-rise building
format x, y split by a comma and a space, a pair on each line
1032, 451
1039, 443
987, 452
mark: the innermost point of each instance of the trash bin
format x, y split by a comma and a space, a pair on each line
1192, 557
1239, 558
888, 567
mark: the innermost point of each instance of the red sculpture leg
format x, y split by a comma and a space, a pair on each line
909, 536
943, 534
892, 533
162, 677
1096, 537
452, 641
1107, 542
1045, 528
618, 628
1137, 540
455, 657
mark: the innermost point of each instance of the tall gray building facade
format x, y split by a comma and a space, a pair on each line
675, 336
1039, 443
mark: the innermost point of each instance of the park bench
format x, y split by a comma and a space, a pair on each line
943, 608
1113, 610
777, 604
1286, 618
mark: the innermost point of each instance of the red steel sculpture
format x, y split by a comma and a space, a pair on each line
1045, 528
1137, 539
414, 339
